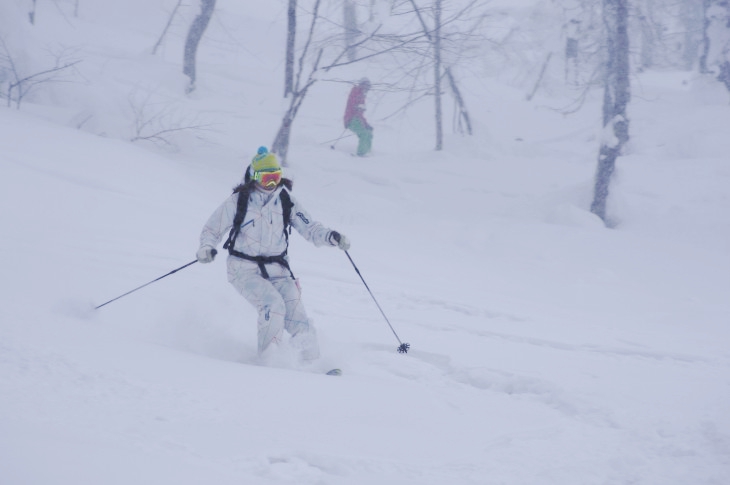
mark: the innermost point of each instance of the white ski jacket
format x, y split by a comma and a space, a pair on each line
262, 230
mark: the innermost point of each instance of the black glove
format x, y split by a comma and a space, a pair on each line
342, 242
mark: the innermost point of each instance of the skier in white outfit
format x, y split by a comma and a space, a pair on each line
258, 265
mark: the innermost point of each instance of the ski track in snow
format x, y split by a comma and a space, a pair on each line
438, 370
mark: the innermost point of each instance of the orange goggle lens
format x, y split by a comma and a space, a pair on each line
268, 179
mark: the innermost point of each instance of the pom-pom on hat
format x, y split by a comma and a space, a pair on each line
264, 160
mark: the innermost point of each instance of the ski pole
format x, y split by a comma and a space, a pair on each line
403, 347
342, 135
140, 287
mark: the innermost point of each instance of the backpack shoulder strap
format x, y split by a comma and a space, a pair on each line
241, 207
286, 206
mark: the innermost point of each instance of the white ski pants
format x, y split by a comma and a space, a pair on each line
279, 305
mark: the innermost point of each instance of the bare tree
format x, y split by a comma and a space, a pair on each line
572, 39
541, 76
705, 36
463, 114
197, 29
715, 58
350, 24
582, 42
437, 74
167, 27
291, 33
648, 33
403, 48
302, 84
22, 83
668, 32
160, 122
31, 13
691, 12
436, 37
617, 93
280, 146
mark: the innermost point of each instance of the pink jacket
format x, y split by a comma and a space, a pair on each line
356, 105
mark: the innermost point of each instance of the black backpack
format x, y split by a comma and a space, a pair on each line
241, 208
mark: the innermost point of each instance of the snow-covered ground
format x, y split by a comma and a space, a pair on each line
546, 349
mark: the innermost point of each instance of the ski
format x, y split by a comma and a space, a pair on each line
334, 372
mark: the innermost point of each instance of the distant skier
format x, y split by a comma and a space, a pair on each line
257, 217
355, 117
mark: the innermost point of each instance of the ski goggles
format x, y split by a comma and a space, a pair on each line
268, 178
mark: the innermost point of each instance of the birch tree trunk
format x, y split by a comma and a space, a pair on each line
197, 29
715, 57
617, 93
31, 14
705, 36
691, 12
280, 145
290, 43
437, 75
648, 38
723, 61
351, 30
463, 113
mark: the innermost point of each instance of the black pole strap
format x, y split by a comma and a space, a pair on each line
146, 284
403, 347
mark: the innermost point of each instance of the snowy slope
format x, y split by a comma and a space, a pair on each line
546, 349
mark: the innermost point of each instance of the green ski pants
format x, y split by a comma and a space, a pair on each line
364, 134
